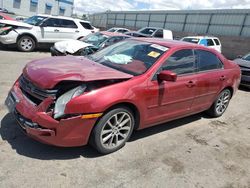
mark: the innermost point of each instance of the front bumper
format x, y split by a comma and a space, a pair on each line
55, 52
39, 124
245, 77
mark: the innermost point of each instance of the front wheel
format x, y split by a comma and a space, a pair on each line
26, 44
113, 130
221, 104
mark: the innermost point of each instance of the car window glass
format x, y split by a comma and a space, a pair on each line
181, 62
147, 31
52, 22
216, 41
86, 25
68, 24
207, 60
210, 42
192, 40
159, 34
203, 42
246, 57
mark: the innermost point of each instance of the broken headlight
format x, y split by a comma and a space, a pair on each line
65, 98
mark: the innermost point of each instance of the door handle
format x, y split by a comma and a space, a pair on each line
190, 84
222, 78
77, 31
56, 30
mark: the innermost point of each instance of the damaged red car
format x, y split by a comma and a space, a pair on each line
101, 99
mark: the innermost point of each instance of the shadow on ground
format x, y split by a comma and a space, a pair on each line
14, 49
10, 132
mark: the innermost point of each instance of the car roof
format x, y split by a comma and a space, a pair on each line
62, 17
168, 43
118, 28
201, 37
112, 34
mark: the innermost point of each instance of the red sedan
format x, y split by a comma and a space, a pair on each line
5, 17
134, 84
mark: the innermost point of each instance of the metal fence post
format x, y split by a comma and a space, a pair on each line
243, 24
209, 23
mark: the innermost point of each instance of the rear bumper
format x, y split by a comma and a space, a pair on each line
38, 124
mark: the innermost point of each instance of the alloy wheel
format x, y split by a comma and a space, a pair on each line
116, 130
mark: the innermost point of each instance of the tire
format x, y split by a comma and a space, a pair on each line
221, 103
26, 44
113, 130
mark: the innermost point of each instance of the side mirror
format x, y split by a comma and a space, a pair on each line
167, 76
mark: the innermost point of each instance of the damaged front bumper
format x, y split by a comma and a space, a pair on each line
37, 123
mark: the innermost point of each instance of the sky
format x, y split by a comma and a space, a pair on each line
87, 6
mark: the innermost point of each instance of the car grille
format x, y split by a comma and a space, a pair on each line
34, 93
23, 122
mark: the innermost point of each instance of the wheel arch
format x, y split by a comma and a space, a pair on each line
28, 34
132, 107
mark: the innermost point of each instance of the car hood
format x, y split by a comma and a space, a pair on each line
242, 63
70, 46
15, 23
46, 73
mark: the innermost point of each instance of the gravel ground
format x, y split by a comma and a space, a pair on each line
192, 152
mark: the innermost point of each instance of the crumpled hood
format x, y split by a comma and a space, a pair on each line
15, 23
242, 62
70, 46
46, 73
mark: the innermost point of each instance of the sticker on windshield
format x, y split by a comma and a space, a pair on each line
159, 47
154, 54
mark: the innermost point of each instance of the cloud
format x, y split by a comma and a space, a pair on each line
87, 6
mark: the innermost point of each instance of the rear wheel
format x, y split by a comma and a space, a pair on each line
221, 104
26, 44
113, 130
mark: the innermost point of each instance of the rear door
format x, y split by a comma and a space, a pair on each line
210, 79
68, 29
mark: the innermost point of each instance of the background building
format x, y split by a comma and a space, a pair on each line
32, 7
231, 26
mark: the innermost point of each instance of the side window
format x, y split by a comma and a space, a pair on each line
210, 42
203, 42
181, 62
1, 17
68, 24
53, 22
86, 25
217, 42
159, 34
207, 60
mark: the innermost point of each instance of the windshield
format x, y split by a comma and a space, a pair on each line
192, 40
35, 20
130, 56
112, 30
147, 31
95, 39
246, 57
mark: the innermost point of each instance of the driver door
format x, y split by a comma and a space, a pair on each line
50, 30
168, 100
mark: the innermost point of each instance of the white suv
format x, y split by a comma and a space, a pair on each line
42, 29
210, 42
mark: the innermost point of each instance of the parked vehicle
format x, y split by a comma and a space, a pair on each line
133, 84
4, 10
86, 45
118, 30
244, 63
210, 42
152, 32
5, 17
43, 29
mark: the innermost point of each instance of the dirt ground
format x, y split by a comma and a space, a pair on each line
192, 152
